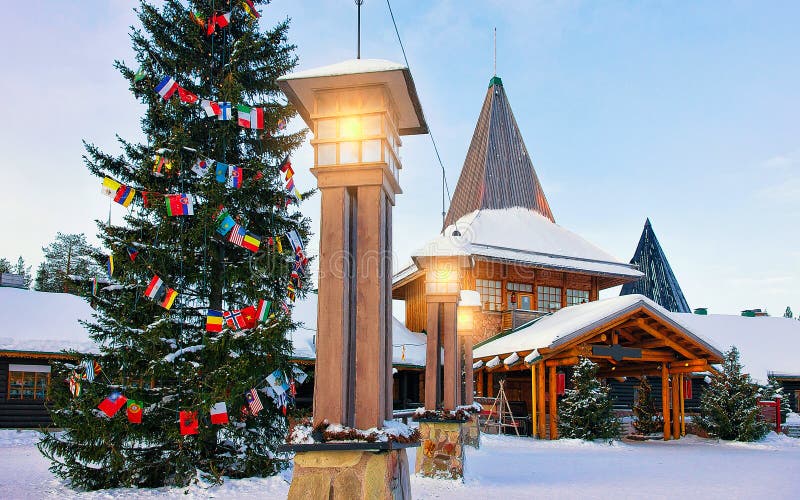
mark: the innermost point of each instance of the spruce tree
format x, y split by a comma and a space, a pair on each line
771, 390
587, 411
70, 263
646, 417
729, 405
788, 312
165, 358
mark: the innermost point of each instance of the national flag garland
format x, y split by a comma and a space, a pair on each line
74, 384
224, 111
110, 266
179, 204
236, 235
250, 9
233, 319
166, 87
211, 108
250, 117
225, 223
213, 321
248, 318
112, 404
202, 167
262, 312
251, 242
235, 176
186, 96
154, 288
188, 422
132, 253
221, 172
134, 411
219, 413
169, 299
253, 401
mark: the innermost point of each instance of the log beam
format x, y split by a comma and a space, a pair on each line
670, 343
665, 400
551, 376
562, 362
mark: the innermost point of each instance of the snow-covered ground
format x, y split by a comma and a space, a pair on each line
505, 467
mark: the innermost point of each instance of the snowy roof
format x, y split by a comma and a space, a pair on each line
304, 346
300, 86
766, 344
43, 322
570, 322
525, 236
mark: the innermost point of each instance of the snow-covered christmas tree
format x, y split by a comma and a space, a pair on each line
729, 406
646, 419
587, 411
193, 329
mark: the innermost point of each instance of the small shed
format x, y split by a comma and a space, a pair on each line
36, 328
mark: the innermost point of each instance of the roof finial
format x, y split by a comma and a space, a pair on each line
495, 51
359, 3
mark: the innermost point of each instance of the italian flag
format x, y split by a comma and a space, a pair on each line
243, 114
154, 287
263, 310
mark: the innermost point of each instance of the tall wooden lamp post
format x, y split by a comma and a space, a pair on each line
357, 111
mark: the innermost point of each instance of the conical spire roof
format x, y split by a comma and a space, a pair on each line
659, 283
498, 172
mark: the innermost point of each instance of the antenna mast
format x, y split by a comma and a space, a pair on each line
359, 3
495, 51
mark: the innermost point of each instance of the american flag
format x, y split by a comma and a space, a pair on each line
236, 235
253, 401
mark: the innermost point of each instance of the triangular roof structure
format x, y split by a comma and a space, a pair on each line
659, 283
498, 171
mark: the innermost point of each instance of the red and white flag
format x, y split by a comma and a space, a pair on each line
219, 413
211, 108
186, 96
153, 289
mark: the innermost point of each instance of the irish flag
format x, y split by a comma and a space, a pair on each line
166, 87
152, 290
263, 310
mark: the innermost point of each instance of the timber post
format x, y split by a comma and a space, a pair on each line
551, 382
665, 400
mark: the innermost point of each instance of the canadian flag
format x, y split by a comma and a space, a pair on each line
219, 413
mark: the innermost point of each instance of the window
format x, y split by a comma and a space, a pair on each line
523, 293
549, 298
28, 381
490, 291
577, 297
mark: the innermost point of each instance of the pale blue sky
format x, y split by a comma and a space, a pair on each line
684, 112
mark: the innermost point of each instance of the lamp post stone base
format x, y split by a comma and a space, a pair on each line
442, 452
357, 474
472, 432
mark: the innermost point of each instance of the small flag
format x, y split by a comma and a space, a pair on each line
281, 124
286, 164
132, 253
124, 195
74, 385
88, 366
299, 374
134, 411
251, 241
169, 298
288, 172
278, 245
110, 266
219, 414
110, 186
179, 204
285, 308
166, 87
253, 401
221, 172
243, 115
250, 9
235, 176
211, 108
162, 163
233, 319
257, 118
248, 317
139, 75
292, 388
297, 194
188, 422
290, 185
295, 240
153, 289
112, 404
236, 235
291, 292
277, 381
224, 111
197, 19
94, 287
213, 321
186, 96
225, 225
262, 312
222, 20
202, 167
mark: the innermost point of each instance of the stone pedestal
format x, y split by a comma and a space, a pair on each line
442, 452
350, 475
472, 432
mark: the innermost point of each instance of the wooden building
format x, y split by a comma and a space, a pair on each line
521, 262
36, 327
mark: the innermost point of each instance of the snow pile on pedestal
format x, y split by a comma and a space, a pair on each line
306, 432
460, 413
44, 322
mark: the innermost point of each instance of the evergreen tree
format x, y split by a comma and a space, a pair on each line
729, 405
24, 271
587, 411
788, 313
5, 265
771, 390
70, 263
163, 358
646, 418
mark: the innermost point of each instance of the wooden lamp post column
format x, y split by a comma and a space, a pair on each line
468, 305
357, 111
